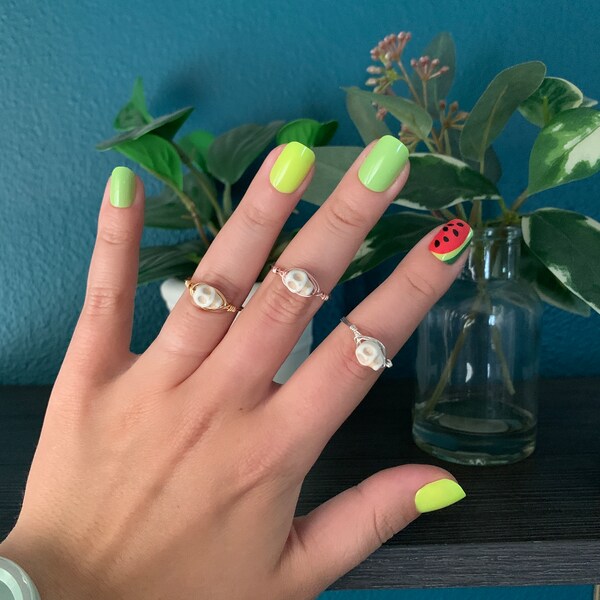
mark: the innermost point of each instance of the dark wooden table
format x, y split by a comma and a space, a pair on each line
536, 522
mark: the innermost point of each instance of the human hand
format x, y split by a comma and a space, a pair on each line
176, 473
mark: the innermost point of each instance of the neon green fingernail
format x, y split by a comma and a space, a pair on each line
383, 164
122, 187
291, 167
438, 494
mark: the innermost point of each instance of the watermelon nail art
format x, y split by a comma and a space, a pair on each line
451, 241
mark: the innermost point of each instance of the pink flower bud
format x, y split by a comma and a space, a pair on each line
442, 104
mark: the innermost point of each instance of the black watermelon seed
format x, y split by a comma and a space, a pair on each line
455, 232
445, 228
461, 224
446, 239
436, 243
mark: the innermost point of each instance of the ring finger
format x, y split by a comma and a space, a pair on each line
232, 263
275, 317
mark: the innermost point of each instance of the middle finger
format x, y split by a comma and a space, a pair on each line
274, 319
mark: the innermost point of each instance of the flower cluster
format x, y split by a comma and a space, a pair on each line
426, 68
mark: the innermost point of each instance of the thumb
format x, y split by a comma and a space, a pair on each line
340, 533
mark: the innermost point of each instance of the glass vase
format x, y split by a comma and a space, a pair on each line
478, 359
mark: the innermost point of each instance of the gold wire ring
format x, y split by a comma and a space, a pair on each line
209, 298
300, 282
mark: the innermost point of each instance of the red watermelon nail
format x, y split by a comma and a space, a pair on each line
451, 241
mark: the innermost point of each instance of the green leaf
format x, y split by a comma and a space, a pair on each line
234, 151
326, 133
331, 164
135, 112
166, 127
391, 235
568, 244
497, 103
568, 148
307, 131
442, 47
363, 115
168, 212
588, 101
552, 97
417, 119
492, 168
437, 181
196, 145
157, 156
160, 262
548, 287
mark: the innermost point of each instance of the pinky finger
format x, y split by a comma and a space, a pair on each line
100, 344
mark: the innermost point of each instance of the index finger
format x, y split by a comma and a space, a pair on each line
329, 385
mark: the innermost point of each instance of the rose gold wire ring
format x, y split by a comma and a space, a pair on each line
209, 298
300, 282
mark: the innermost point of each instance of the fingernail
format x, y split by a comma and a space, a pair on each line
438, 494
383, 164
291, 167
122, 187
451, 241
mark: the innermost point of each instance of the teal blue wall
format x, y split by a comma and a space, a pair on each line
67, 66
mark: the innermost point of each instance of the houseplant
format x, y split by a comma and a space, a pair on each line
461, 412
198, 173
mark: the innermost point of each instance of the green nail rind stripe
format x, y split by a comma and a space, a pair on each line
438, 494
451, 257
383, 164
122, 187
291, 167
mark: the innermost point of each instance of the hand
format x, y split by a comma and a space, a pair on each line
175, 473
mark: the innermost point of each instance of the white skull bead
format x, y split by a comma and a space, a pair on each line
205, 296
370, 354
298, 282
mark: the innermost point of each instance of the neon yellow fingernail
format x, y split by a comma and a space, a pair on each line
438, 494
291, 167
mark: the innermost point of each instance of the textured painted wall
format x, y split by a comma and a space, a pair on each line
68, 65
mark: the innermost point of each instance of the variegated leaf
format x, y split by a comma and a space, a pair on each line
437, 181
552, 97
568, 243
568, 148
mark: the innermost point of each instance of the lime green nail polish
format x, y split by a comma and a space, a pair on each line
122, 187
438, 494
383, 164
291, 167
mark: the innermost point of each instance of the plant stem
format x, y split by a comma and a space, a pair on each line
424, 84
503, 206
475, 217
409, 83
520, 200
427, 142
227, 204
189, 204
448, 214
462, 213
200, 179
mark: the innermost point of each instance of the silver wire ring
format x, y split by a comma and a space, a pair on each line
370, 352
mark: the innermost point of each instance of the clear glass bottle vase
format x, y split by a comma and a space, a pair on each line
478, 359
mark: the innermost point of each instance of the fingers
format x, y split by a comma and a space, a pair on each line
342, 532
275, 318
101, 339
233, 262
331, 382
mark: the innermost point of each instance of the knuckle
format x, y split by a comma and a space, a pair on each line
419, 287
101, 300
381, 523
115, 233
254, 217
282, 307
344, 218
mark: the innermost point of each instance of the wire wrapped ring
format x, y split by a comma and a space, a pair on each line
209, 298
370, 352
300, 282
